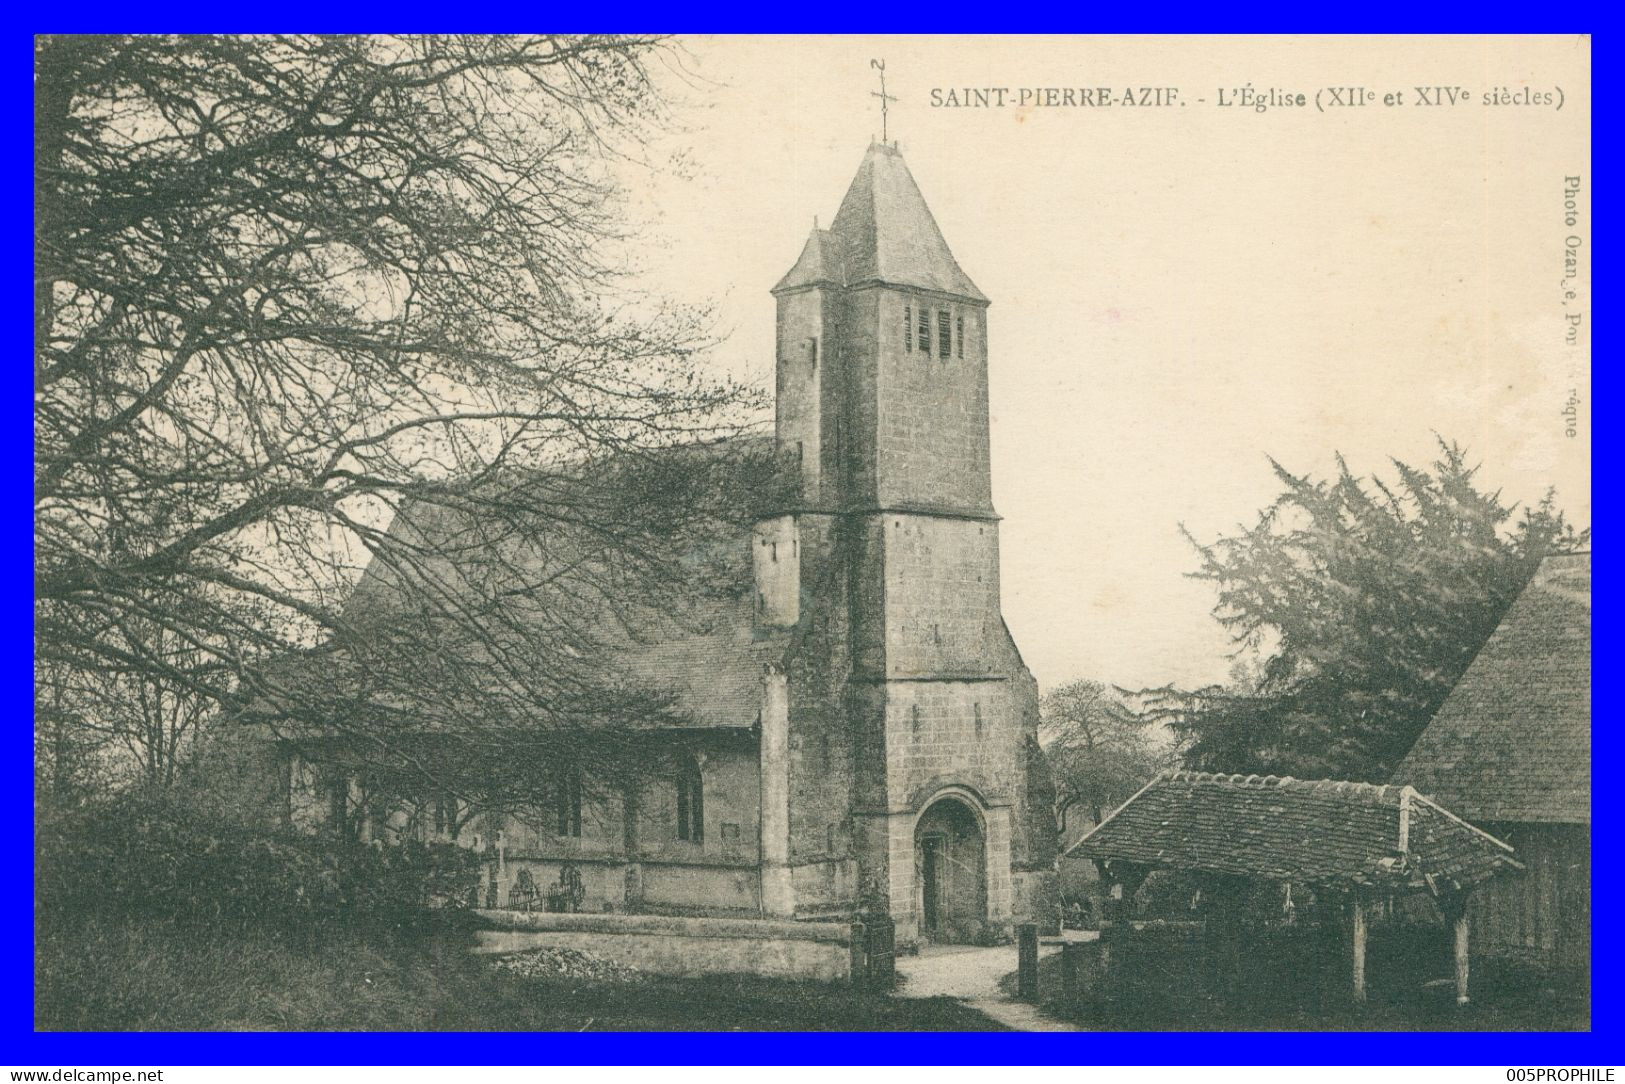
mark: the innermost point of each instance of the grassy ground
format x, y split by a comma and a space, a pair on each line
120, 975
1501, 1003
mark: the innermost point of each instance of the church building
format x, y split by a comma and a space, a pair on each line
863, 734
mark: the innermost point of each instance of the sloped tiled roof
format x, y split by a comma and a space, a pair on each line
711, 668
883, 232
702, 648
1308, 831
1512, 742
714, 674
819, 264
710, 659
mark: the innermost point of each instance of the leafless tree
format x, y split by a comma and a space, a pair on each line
1100, 751
308, 305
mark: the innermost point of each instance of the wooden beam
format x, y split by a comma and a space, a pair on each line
1462, 962
1357, 945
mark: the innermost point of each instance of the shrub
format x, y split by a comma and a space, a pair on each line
156, 857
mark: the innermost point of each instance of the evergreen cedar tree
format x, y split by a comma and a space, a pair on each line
1366, 600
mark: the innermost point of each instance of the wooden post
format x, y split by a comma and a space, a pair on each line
1124, 880
881, 950
1357, 944
1462, 965
1069, 973
1454, 907
1108, 917
1027, 961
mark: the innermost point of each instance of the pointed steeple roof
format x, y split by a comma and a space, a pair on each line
884, 233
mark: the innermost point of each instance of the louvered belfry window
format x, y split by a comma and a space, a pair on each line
945, 347
959, 337
924, 330
908, 327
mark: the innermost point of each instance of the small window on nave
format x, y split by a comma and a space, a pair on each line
567, 802
690, 801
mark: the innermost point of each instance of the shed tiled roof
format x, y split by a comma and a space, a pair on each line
1512, 742
883, 232
1308, 831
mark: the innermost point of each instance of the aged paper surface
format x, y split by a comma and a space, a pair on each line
1199, 275
1057, 608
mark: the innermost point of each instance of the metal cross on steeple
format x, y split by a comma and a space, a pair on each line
880, 66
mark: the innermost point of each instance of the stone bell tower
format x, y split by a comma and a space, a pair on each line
902, 663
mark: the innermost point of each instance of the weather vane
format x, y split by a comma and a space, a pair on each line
880, 66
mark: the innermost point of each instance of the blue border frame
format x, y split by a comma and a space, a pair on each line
25, 1046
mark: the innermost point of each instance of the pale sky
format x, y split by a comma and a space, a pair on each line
1177, 292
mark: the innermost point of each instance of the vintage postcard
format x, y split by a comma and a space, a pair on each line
576, 533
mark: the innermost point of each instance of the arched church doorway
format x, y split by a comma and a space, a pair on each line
950, 858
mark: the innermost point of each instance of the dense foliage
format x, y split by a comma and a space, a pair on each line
1099, 750
1363, 601
308, 304
158, 859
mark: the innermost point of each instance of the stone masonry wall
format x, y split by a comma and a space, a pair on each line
686, 947
855, 403
950, 732
775, 549
821, 746
732, 810
941, 597
904, 683
802, 349
932, 425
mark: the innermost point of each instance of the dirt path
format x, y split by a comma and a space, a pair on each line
971, 975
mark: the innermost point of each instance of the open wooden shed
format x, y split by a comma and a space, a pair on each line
1510, 748
1354, 841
